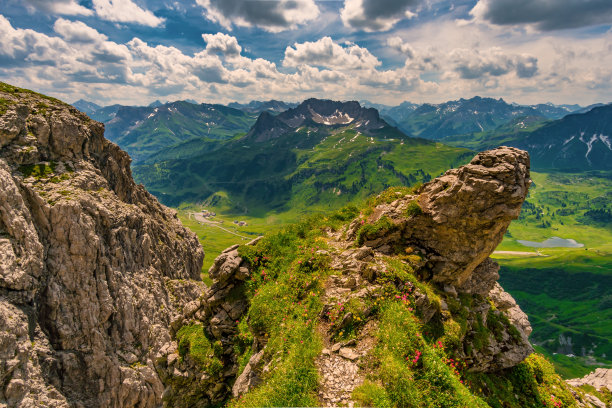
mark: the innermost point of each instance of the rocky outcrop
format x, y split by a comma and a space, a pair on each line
454, 223
92, 268
600, 378
217, 311
460, 217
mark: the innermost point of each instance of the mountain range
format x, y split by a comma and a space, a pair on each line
464, 116
86, 106
193, 152
143, 131
318, 153
576, 142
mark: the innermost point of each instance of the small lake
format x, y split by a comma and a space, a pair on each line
554, 242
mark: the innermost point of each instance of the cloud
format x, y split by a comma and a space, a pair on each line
77, 31
397, 44
474, 64
418, 60
27, 46
63, 7
273, 16
376, 15
221, 43
443, 61
126, 11
545, 15
326, 53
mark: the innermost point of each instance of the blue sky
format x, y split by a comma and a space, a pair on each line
386, 51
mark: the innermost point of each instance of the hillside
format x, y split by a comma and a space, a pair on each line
577, 142
142, 131
564, 290
319, 154
393, 305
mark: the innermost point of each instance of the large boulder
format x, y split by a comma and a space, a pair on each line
460, 217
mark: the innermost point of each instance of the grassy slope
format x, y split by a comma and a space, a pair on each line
301, 170
569, 284
408, 367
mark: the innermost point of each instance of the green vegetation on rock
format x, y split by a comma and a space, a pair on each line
38, 171
193, 344
409, 371
410, 365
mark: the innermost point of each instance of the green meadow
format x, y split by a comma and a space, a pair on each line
566, 292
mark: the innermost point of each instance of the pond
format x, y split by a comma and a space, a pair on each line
554, 242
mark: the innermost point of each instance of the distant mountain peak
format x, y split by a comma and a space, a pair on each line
86, 106
316, 113
272, 105
330, 113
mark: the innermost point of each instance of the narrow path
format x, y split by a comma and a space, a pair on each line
340, 363
518, 253
339, 375
201, 219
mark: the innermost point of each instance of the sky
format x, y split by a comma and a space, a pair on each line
385, 51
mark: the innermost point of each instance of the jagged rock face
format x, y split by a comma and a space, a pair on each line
218, 311
92, 268
463, 214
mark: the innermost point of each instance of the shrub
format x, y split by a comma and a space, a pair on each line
413, 208
371, 231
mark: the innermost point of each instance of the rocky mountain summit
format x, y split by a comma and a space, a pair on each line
92, 268
315, 113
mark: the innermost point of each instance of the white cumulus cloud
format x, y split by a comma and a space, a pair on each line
126, 11
222, 43
399, 45
63, 7
77, 31
327, 53
474, 64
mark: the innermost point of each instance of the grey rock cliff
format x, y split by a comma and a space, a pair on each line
92, 268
